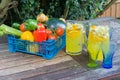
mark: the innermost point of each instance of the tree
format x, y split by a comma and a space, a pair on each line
5, 5
68, 9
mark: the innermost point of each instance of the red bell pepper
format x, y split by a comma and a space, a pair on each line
40, 34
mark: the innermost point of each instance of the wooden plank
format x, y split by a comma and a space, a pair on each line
88, 75
82, 59
14, 59
3, 39
118, 10
6, 54
73, 70
108, 72
12, 62
3, 46
11, 58
31, 65
117, 51
43, 70
96, 74
108, 12
117, 1
22, 62
113, 77
113, 10
104, 14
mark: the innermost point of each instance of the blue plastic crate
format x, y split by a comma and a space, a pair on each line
47, 49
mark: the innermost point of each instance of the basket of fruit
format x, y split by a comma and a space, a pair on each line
40, 37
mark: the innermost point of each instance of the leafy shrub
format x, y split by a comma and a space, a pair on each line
78, 9
69, 9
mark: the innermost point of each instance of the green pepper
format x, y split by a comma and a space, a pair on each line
30, 24
16, 25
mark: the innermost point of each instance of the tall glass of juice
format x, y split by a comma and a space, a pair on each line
74, 38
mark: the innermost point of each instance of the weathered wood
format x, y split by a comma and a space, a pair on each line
30, 66
118, 10
19, 62
69, 71
43, 70
113, 77
108, 12
87, 75
95, 74
11, 58
108, 6
80, 58
5, 54
113, 10
29, 63
3, 46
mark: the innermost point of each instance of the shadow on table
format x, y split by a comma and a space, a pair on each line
82, 59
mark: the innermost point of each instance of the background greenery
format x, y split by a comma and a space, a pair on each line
69, 9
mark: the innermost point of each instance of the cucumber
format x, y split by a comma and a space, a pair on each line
16, 26
9, 30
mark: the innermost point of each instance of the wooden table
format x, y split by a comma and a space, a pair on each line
17, 66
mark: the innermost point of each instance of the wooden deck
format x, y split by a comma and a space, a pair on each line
19, 66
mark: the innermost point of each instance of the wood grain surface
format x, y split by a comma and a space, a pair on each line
20, 66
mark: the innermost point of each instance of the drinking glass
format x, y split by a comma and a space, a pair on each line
97, 35
74, 38
108, 55
93, 46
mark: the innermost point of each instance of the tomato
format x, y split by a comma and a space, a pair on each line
59, 31
22, 27
49, 32
41, 26
53, 37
